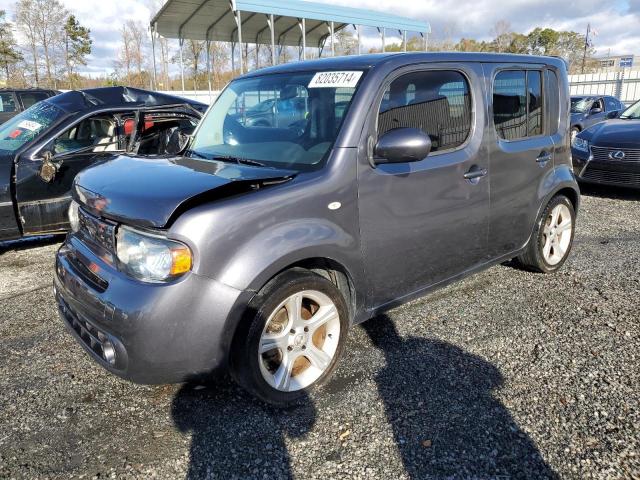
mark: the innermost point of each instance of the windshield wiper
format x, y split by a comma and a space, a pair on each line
238, 160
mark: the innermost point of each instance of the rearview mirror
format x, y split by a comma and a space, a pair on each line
402, 145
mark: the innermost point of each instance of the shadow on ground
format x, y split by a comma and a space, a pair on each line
446, 421
438, 400
236, 436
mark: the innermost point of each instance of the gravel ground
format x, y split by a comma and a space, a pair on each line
507, 374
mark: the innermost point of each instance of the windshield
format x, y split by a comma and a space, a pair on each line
23, 128
581, 105
280, 120
632, 113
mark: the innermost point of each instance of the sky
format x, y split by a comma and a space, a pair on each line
617, 22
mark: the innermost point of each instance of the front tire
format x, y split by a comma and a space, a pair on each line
291, 338
552, 239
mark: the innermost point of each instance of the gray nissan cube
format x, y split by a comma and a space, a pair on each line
260, 246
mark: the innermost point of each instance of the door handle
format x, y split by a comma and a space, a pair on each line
544, 158
476, 173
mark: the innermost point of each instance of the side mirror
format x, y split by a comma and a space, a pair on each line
614, 114
402, 145
595, 111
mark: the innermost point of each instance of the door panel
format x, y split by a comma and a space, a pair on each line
8, 223
519, 161
424, 222
43, 205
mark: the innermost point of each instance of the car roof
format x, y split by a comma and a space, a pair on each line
364, 62
106, 97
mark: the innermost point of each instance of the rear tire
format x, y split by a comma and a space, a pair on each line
552, 239
291, 338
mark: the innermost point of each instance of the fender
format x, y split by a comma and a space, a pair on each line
559, 178
276, 248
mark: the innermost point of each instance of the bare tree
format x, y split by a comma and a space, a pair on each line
26, 19
133, 53
501, 32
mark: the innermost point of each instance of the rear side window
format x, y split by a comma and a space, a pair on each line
612, 104
518, 110
436, 102
31, 98
552, 91
7, 102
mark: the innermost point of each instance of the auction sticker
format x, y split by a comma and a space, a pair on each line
335, 79
29, 125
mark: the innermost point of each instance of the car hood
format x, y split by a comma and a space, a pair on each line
150, 191
614, 134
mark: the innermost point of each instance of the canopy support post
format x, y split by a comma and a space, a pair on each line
153, 53
404, 40
208, 47
273, 39
382, 35
233, 58
239, 25
333, 41
357, 27
181, 42
303, 26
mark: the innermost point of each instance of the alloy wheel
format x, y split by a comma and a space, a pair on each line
299, 341
556, 234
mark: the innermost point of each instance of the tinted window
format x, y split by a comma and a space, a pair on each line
552, 93
518, 104
7, 102
534, 87
436, 102
510, 104
612, 104
31, 98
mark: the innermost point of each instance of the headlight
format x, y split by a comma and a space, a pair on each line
580, 144
74, 219
151, 258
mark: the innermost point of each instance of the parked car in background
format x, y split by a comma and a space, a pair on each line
14, 101
43, 148
588, 110
609, 153
260, 247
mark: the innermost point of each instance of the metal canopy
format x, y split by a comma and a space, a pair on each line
278, 23
217, 20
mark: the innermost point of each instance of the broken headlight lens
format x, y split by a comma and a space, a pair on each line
151, 258
74, 218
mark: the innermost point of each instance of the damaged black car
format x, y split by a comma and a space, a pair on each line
43, 148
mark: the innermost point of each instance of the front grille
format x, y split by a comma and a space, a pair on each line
612, 176
604, 154
96, 230
91, 336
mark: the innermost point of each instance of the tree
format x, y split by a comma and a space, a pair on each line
41, 21
77, 43
346, 42
501, 32
26, 22
133, 53
9, 54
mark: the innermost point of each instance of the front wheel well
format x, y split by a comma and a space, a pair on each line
333, 271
